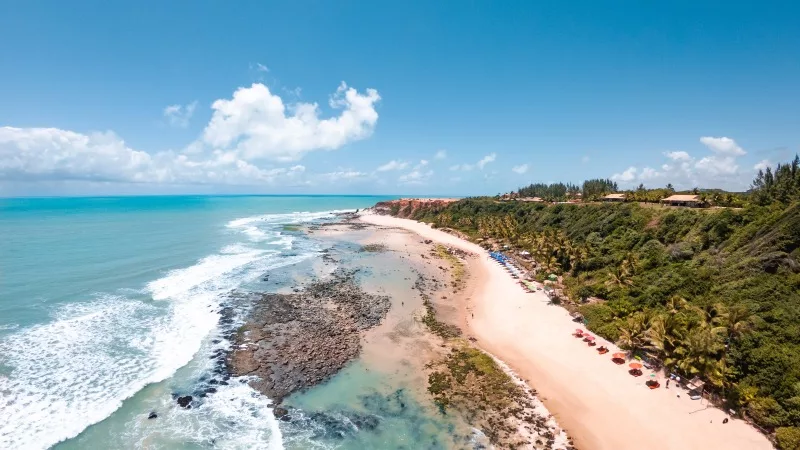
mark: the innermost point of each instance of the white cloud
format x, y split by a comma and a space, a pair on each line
416, 176
520, 169
722, 145
441, 154
256, 124
678, 156
344, 175
486, 160
261, 67
648, 174
178, 115
719, 169
252, 126
762, 165
35, 154
628, 175
392, 165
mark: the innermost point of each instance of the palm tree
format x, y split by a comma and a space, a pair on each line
699, 352
633, 335
676, 303
736, 320
664, 336
619, 277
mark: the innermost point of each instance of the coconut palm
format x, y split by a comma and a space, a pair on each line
676, 303
699, 353
633, 334
619, 277
663, 337
736, 320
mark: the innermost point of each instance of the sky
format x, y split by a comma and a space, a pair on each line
408, 98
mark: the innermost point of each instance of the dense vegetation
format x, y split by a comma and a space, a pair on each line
592, 190
713, 293
560, 192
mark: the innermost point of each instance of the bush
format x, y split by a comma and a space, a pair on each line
788, 438
767, 412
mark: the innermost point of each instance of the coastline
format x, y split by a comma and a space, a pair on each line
597, 402
403, 362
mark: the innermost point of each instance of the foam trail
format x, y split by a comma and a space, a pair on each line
76, 370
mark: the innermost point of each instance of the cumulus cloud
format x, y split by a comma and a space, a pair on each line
256, 124
720, 168
252, 127
486, 160
722, 145
180, 115
520, 169
628, 175
763, 165
392, 165
415, 177
480, 164
418, 174
33, 154
678, 156
441, 154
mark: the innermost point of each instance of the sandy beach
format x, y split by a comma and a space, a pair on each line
599, 404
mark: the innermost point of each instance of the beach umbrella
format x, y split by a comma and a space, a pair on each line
578, 331
635, 365
589, 338
618, 356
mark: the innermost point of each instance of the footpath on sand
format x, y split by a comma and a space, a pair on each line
599, 404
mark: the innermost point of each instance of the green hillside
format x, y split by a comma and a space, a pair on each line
711, 292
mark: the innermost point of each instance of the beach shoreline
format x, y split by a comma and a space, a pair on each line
599, 404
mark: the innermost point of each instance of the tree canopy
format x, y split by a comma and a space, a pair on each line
712, 292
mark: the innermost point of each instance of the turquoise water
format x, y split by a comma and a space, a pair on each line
108, 306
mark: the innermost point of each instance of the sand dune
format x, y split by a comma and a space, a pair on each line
596, 401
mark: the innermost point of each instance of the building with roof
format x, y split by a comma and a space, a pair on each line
689, 200
614, 198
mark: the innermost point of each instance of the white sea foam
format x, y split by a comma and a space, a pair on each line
236, 417
288, 218
77, 369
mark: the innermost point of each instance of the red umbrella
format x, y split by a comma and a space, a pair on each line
635, 365
618, 355
589, 338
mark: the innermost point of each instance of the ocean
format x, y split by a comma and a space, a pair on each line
110, 307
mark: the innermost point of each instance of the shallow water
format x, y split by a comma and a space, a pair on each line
110, 307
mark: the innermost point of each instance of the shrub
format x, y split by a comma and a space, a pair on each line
788, 438
767, 412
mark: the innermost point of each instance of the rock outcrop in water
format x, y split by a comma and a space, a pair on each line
294, 341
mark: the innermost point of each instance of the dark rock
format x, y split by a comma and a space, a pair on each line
301, 339
185, 401
280, 412
152, 415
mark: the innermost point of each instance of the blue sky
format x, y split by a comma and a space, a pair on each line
442, 98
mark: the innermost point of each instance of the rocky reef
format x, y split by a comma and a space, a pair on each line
291, 342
